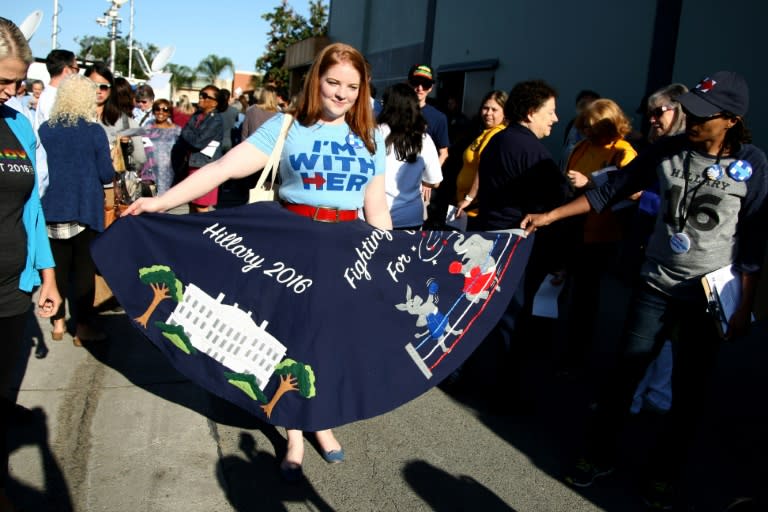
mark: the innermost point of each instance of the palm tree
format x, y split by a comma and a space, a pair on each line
212, 66
183, 76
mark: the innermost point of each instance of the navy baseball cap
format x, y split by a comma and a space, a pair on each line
724, 91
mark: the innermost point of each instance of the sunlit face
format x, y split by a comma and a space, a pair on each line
37, 89
339, 89
540, 121
661, 116
423, 87
103, 90
492, 113
161, 112
12, 71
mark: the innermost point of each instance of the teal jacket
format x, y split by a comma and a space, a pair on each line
39, 254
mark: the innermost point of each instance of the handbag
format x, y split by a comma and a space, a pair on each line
264, 191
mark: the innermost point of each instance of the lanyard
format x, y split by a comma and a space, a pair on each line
683, 211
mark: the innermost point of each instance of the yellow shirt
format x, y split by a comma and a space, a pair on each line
472, 161
587, 158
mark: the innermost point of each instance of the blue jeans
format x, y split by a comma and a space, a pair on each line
654, 318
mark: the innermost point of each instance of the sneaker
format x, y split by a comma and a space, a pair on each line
658, 495
584, 473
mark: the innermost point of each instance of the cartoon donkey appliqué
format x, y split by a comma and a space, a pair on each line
428, 314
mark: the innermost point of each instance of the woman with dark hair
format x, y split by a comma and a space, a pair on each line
26, 260
713, 186
412, 159
201, 139
112, 117
492, 117
335, 106
161, 136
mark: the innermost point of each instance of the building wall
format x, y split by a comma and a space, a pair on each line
595, 44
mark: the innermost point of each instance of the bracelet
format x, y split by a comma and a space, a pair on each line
468, 198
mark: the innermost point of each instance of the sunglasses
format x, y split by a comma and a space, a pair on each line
161, 109
659, 111
206, 96
694, 119
104, 87
144, 102
424, 84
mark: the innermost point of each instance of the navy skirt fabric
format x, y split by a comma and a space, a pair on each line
306, 324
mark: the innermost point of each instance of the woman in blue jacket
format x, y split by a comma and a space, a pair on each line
22, 228
79, 164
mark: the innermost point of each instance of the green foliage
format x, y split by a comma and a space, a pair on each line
305, 376
161, 274
212, 66
176, 335
183, 76
287, 28
246, 383
98, 48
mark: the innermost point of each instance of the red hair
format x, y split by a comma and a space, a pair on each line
309, 106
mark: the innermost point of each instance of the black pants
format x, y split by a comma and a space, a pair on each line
11, 334
74, 264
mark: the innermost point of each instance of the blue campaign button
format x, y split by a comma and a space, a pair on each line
740, 170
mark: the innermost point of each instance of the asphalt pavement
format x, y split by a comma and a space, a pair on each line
115, 428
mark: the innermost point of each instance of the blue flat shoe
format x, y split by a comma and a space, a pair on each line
334, 456
290, 471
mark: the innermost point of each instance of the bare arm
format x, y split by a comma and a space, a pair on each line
471, 194
240, 161
375, 204
533, 221
49, 299
442, 155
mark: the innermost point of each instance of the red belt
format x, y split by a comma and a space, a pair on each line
322, 213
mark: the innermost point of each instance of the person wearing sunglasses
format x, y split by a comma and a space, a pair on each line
713, 189
26, 260
200, 144
161, 135
665, 114
144, 102
112, 116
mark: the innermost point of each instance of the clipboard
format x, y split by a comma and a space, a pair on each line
722, 288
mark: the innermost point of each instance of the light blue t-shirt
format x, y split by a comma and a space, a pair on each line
322, 164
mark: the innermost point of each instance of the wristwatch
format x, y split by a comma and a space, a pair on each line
469, 198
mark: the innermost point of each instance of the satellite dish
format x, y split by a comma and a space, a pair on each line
162, 58
117, 3
30, 24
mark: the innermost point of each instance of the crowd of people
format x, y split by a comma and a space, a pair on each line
685, 200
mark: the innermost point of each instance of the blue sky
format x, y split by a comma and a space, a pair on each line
196, 28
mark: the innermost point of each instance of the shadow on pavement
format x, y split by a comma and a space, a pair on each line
127, 352
443, 491
251, 483
730, 447
30, 428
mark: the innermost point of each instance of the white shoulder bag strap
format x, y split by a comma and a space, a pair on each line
270, 170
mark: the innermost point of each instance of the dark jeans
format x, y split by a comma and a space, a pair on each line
74, 264
654, 318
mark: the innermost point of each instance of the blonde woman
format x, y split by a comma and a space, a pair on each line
182, 111
79, 164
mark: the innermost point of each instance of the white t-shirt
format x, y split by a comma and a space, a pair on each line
403, 181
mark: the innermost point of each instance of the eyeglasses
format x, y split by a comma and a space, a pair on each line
206, 96
161, 109
144, 102
75, 68
659, 111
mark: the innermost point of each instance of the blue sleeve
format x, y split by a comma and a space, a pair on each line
103, 157
380, 158
753, 215
265, 137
